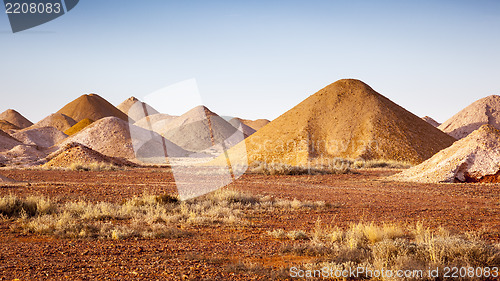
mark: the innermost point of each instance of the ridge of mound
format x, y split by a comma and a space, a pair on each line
346, 119
43, 137
23, 154
135, 109
255, 124
481, 112
474, 158
6, 126
93, 107
78, 127
76, 153
7, 142
6, 180
155, 122
57, 120
111, 136
200, 129
247, 130
431, 121
15, 118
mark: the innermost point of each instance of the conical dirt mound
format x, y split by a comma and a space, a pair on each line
75, 153
56, 120
431, 121
469, 119
346, 119
111, 136
93, 107
135, 109
200, 129
475, 158
6, 126
43, 137
15, 118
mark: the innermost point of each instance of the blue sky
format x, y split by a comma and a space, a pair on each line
256, 59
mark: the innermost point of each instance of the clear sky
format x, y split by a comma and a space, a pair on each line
256, 59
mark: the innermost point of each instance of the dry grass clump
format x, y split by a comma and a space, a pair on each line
285, 169
326, 166
389, 164
390, 247
79, 166
94, 166
146, 216
12, 206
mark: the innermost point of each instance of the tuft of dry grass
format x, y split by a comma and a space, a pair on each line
284, 169
391, 247
77, 166
327, 166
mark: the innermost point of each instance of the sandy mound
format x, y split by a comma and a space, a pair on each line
200, 129
248, 131
92, 107
469, 119
135, 109
346, 119
255, 124
7, 142
80, 154
43, 137
111, 136
56, 120
7, 126
15, 118
78, 127
473, 158
431, 121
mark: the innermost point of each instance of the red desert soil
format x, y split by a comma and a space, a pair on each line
213, 252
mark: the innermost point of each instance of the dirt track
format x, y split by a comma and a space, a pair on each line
218, 252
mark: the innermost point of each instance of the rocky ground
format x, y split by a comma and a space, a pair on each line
228, 252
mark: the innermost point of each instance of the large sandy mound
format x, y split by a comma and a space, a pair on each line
111, 136
7, 126
200, 129
473, 158
7, 142
254, 124
346, 119
43, 137
469, 119
431, 121
76, 153
92, 107
78, 127
56, 120
15, 118
247, 130
135, 109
